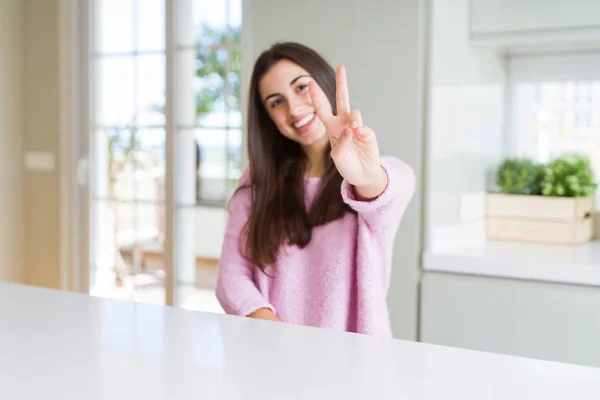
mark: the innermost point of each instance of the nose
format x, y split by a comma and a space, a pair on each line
296, 106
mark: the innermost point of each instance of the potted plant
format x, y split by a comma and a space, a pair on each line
543, 203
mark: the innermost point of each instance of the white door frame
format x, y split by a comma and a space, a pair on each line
76, 173
75, 104
76, 148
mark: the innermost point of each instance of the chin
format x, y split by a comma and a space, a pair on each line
310, 139
317, 141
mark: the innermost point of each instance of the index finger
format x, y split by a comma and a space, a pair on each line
341, 91
320, 101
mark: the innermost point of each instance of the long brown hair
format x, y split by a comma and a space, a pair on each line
278, 165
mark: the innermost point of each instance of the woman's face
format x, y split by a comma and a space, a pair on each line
284, 93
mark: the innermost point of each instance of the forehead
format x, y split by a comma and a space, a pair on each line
278, 78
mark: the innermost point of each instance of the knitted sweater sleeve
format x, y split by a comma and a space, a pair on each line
384, 213
236, 289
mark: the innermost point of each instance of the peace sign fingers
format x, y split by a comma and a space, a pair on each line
320, 103
342, 96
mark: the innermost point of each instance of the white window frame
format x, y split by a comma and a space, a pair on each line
544, 68
76, 104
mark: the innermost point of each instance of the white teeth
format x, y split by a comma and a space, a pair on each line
304, 121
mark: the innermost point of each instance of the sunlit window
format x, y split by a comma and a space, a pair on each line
555, 107
129, 140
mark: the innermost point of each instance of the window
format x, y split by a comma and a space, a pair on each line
555, 106
129, 141
208, 115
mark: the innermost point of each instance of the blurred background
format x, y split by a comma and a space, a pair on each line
122, 139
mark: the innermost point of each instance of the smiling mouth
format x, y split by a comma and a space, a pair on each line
304, 121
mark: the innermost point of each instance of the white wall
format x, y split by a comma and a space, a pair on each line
464, 127
382, 45
11, 134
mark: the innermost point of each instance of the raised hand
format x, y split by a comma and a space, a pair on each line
354, 147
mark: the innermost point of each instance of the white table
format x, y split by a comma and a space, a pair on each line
65, 346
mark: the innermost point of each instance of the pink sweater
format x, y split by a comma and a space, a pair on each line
340, 279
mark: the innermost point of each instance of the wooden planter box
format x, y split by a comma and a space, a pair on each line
540, 219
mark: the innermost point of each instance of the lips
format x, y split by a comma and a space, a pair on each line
304, 121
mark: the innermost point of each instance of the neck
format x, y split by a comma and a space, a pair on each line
316, 168
315, 155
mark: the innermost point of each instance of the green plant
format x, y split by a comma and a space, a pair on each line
520, 176
569, 176
122, 144
214, 46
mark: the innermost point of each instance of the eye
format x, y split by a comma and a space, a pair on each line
275, 103
301, 87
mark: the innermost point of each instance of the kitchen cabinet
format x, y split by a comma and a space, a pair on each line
551, 23
549, 321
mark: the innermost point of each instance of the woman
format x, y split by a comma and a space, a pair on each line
312, 225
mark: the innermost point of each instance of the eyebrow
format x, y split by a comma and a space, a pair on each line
291, 83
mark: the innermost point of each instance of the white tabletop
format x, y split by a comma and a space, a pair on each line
65, 346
